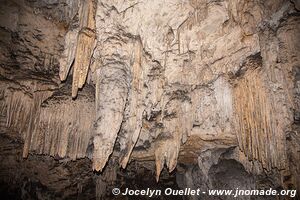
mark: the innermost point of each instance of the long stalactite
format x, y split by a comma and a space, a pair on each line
260, 138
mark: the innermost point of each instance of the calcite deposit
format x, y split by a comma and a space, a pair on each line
171, 82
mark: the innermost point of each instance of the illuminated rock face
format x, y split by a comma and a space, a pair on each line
167, 81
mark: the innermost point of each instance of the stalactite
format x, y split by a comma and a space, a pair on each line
85, 46
16, 108
71, 40
54, 127
63, 128
111, 94
176, 126
135, 107
35, 111
66, 61
259, 136
223, 95
79, 46
21, 111
167, 149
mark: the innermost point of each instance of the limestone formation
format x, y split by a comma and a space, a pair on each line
192, 82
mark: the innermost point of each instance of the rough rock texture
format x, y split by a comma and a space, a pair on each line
168, 82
